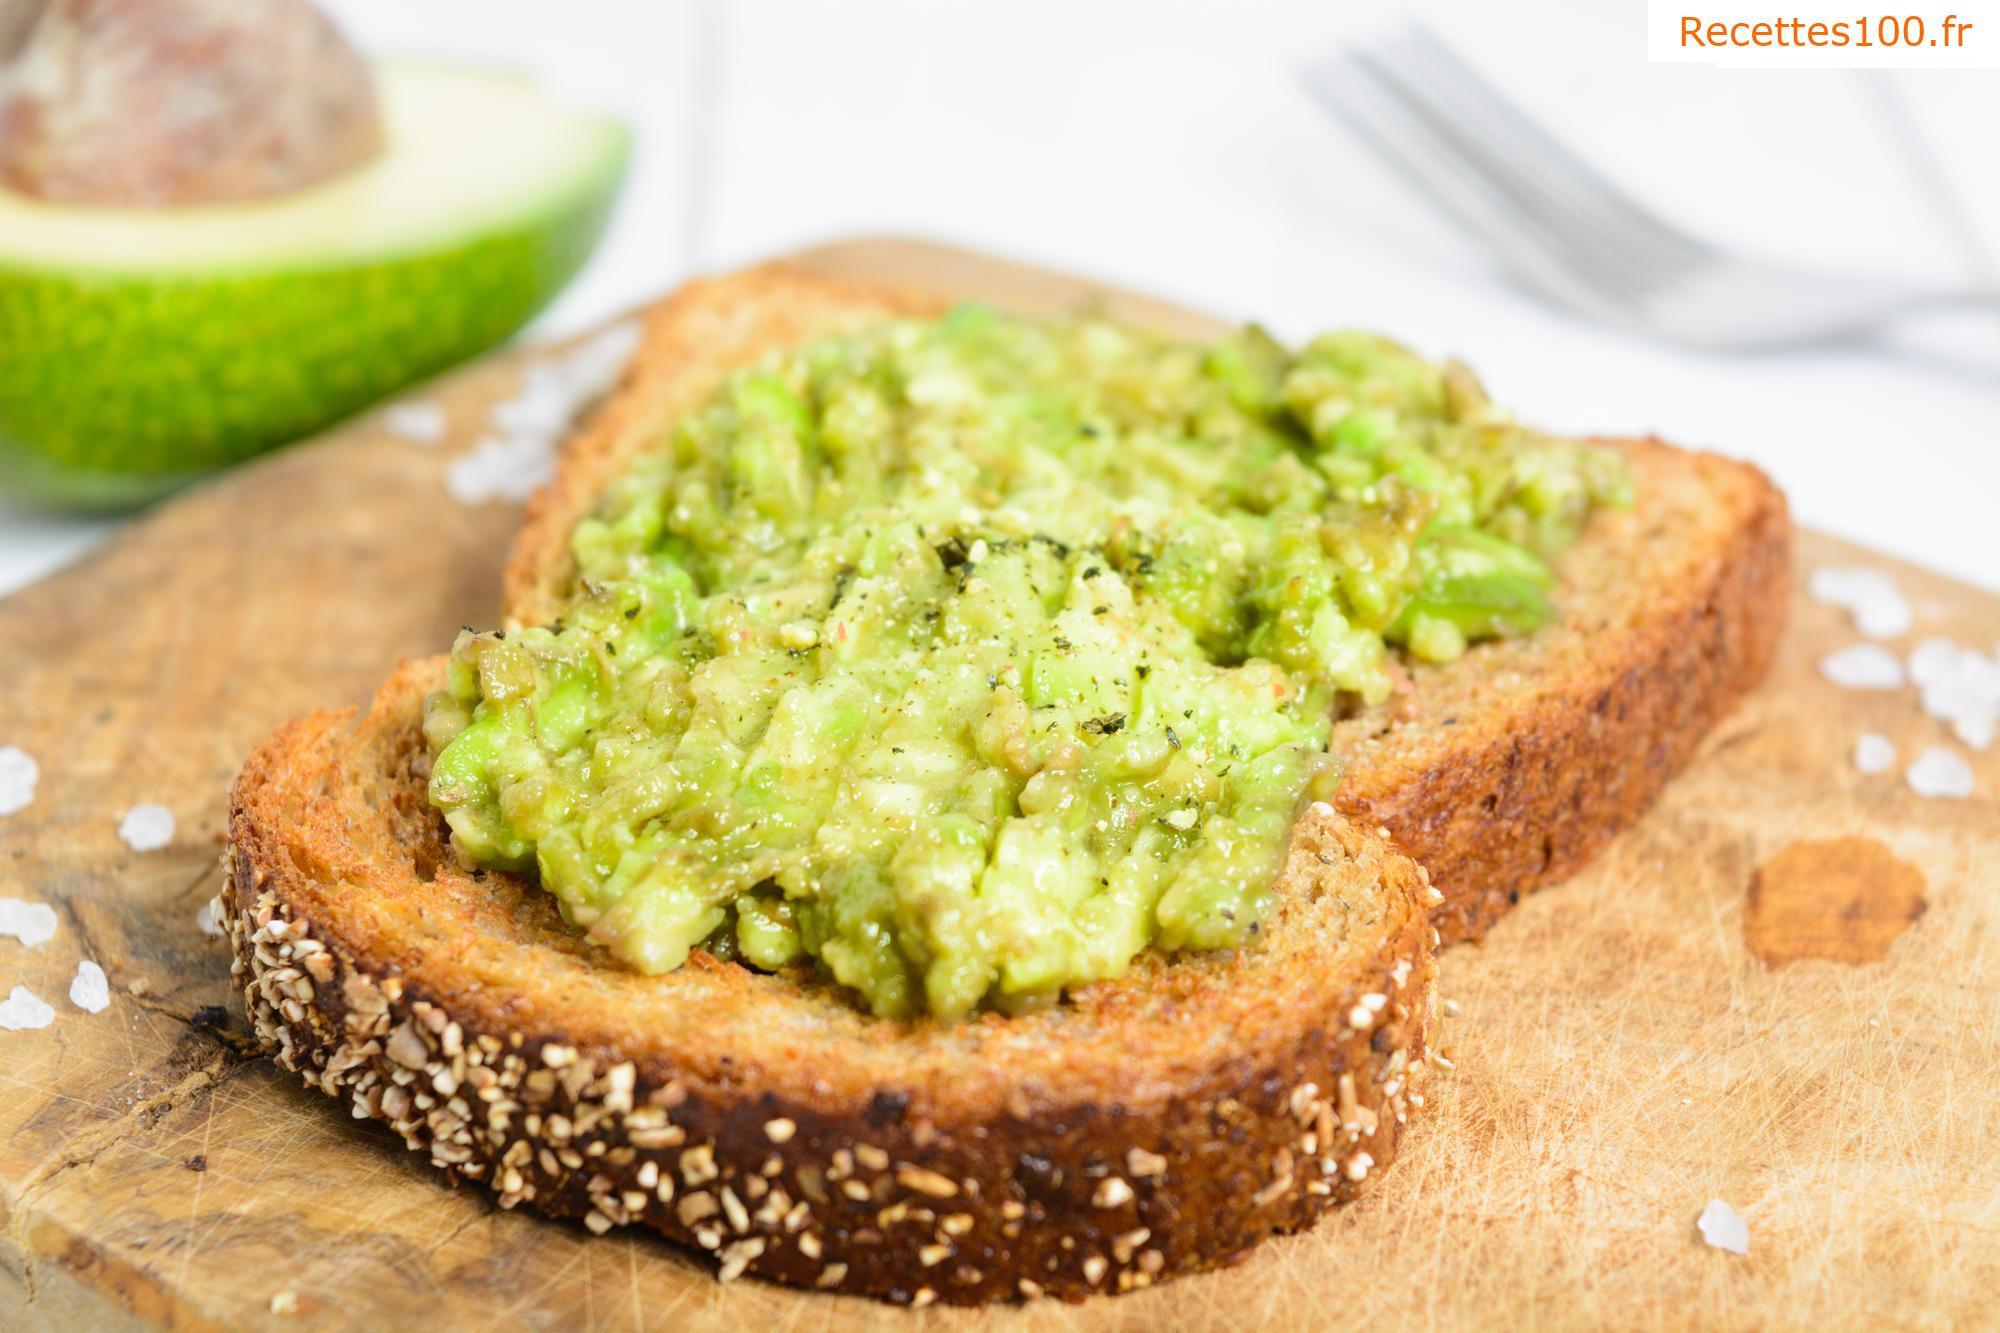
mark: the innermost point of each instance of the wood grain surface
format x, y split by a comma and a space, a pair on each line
1623, 1055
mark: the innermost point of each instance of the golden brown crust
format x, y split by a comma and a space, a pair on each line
1510, 768
1151, 1126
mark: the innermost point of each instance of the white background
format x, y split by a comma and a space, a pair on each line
1171, 147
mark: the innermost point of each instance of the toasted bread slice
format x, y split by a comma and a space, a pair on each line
1149, 1126
1499, 772
1146, 1127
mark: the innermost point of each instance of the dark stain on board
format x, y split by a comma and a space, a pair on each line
1843, 899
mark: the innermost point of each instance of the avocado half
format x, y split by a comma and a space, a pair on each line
141, 349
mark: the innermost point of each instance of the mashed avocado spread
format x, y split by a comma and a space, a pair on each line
969, 657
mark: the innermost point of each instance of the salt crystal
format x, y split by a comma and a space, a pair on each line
1865, 666
530, 424
1933, 660
17, 779
1874, 753
1878, 606
1976, 728
205, 919
1945, 699
1941, 773
90, 991
34, 924
1883, 620
1723, 1228
22, 1010
604, 356
147, 828
417, 422
1960, 686
503, 467
542, 407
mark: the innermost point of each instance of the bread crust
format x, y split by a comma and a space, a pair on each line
1154, 1125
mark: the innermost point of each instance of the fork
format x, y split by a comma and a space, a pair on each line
1572, 235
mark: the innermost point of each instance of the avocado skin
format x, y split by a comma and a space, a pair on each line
117, 387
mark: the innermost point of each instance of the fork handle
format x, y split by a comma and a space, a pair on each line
1957, 298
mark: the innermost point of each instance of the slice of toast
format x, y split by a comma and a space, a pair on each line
1499, 772
1146, 1127
1154, 1125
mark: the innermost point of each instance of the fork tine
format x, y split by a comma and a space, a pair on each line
1550, 167
1355, 91
1595, 256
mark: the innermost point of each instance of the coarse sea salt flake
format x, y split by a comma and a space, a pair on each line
1724, 1228
1960, 686
528, 426
1933, 660
206, 921
23, 1009
18, 775
542, 407
1864, 666
501, 467
418, 422
607, 353
1878, 606
1874, 753
90, 991
1940, 773
1976, 729
147, 828
34, 924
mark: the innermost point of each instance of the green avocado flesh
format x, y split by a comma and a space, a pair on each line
971, 657
142, 348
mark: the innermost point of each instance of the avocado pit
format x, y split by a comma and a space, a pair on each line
171, 103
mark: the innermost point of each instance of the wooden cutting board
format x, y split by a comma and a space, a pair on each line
1623, 1053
